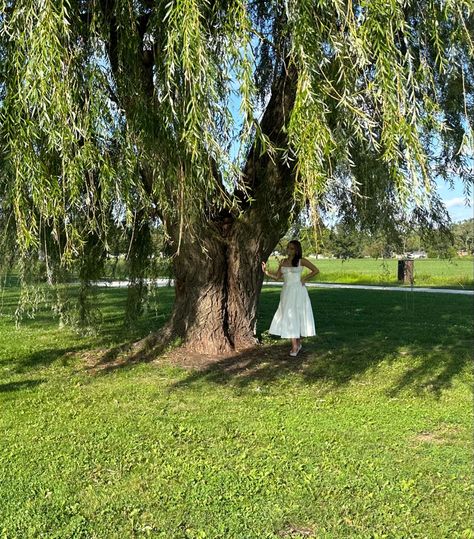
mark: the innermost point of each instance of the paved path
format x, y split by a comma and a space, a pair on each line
169, 282
391, 288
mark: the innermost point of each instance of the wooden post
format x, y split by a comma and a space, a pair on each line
406, 271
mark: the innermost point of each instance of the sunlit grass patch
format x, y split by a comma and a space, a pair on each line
449, 273
368, 432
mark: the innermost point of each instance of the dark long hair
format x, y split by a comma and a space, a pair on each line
299, 252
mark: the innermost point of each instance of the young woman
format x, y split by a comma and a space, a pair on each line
294, 316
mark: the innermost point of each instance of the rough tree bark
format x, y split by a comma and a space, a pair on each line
217, 293
218, 278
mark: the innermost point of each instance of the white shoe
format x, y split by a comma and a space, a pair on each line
294, 354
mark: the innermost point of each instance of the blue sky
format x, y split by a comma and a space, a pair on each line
455, 201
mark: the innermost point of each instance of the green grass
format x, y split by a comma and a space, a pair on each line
368, 433
454, 273
440, 273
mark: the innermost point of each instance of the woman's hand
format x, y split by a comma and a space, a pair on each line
276, 275
313, 270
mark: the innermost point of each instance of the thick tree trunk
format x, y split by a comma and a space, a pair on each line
214, 310
217, 293
200, 310
250, 244
218, 284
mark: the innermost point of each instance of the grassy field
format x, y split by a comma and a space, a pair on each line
366, 434
454, 273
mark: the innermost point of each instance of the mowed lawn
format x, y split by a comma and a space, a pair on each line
432, 272
366, 434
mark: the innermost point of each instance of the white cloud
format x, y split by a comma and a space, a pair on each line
455, 202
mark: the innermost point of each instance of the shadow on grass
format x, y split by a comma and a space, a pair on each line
23, 384
45, 358
111, 333
337, 365
428, 337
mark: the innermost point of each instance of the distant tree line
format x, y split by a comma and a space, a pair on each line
345, 241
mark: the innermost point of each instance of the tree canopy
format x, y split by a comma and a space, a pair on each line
124, 111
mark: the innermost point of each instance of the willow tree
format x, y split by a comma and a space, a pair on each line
126, 110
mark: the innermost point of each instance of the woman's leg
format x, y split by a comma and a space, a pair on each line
294, 345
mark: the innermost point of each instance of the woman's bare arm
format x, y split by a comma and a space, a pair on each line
276, 275
313, 270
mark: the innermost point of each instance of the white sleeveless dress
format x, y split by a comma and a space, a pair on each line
294, 316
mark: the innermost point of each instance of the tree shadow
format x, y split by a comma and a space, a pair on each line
23, 384
113, 330
428, 336
127, 355
334, 366
45, 358
358, 331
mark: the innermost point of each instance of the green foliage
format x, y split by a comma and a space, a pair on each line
368, 78
463, 233
373, 78
346, 243
116, 111
345, 240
